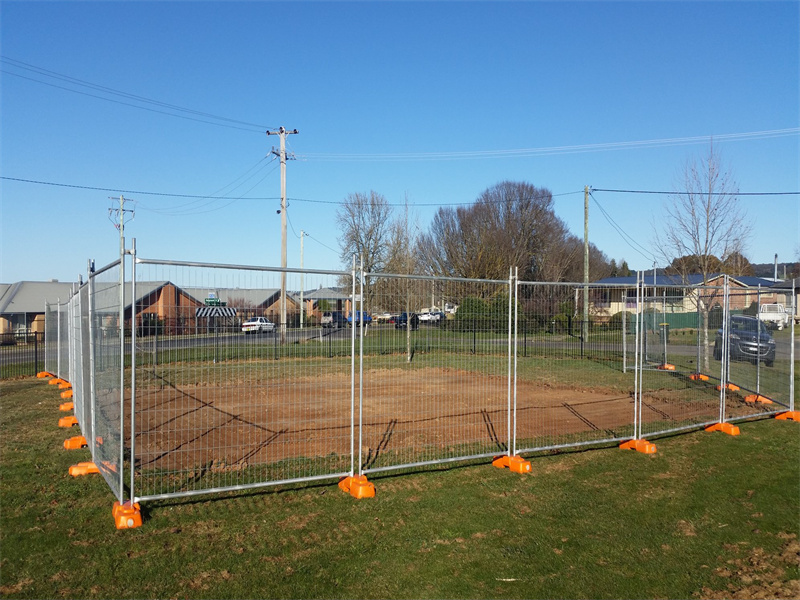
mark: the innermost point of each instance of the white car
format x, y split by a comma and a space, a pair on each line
258, 325
430, 317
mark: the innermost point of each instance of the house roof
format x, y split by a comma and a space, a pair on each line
325, 294
693, 279
32, 296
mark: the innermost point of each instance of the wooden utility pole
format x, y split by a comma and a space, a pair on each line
282, 133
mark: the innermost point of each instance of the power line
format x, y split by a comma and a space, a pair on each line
677, 193
626, 238
138, 192
554, 150
225, 121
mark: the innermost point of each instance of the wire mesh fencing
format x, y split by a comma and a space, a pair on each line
237, 382
571, 384
757, 352
435, 384
194, 378
678, 380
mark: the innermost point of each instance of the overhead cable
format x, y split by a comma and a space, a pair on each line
172, 110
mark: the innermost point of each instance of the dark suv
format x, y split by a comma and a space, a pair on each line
401, 322
749, 339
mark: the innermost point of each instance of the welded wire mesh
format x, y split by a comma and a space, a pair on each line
228, 394
106, 360
758, 351
436, 370
51, 338
62, 341
679, 376
571, 385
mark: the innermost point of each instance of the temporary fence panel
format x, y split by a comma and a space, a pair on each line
678, 377
434, 371
759, 368
51, 338
571, 384
224, 402
80, 352
105, 436
62, 340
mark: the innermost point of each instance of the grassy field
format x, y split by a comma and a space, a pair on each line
707, 516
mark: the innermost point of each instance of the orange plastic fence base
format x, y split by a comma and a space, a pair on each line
753, 398
67, 422
55, 381
642, 446
724, 428
515, 464
66, 406
44, 375
75, 443
84, 468
666, 367
66, 394
789, 415
357, 486
127, 515
65, 385
698, 377
730, 386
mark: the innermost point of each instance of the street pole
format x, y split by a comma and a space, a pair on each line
281, 133
585, 327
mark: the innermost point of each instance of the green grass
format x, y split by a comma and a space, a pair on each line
708, 515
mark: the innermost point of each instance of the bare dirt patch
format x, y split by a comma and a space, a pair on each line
411, 414
759, 574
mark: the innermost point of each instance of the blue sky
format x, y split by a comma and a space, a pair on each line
416, 100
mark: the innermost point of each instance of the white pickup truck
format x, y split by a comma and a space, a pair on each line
774, 315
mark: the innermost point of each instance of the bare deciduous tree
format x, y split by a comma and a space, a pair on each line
704, 220
364, 224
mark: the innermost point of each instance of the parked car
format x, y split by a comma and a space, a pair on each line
333, 319
401, 322
385, 317
774, 315
749, 339
258, 325
367, 319
429, 317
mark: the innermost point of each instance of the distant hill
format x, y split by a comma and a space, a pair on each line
768, 269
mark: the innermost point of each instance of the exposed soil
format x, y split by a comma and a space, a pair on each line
760, 575
418, 415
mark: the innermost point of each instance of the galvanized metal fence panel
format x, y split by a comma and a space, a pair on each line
220, 408
759, 367
105, 437
51, 338
62, 341
436, 372
571, 386
679, 378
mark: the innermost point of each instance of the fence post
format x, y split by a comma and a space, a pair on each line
35, 352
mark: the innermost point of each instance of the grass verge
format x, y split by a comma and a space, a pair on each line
707, 516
